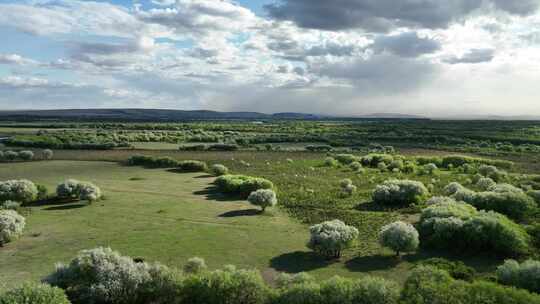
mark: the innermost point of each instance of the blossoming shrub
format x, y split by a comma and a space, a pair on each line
399, 192
11, 225
399, 236
263, 198
23, 191
330, 238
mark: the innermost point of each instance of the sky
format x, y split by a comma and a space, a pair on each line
336, 57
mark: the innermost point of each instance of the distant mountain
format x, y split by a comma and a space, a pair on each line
393, 115
144, 115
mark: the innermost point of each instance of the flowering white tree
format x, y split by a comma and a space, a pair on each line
11, 226
400, 237
263, 198
331, 238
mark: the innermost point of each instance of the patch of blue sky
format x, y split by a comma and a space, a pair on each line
30, 46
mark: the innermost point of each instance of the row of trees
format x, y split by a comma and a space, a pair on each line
104, 276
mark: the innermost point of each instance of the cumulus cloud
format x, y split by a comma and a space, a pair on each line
15, 59
408, 44
200, 17
383, 15
472, 56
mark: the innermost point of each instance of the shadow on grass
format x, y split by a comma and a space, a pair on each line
204, 176
65, 207
212, 193
51, 201
298, 261
244, 212
382, 262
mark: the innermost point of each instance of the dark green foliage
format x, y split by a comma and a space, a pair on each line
339, 290
457, 269
457, 227
515, 205
428, 285
229, 286
192, 166
399, 193
525, 275
241, 184
31, 293
346, 159
319, 148
460, 160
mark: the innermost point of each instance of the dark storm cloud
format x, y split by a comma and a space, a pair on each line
473, 56
380, 73
383, 15
407, 44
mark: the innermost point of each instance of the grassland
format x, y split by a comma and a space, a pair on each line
160, 215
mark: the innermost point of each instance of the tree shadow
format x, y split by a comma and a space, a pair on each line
212, 193
372, 263
50, 201
65, 207
243, 212
298, 261
204, 176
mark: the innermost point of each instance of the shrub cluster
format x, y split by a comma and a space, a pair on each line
219, 170
263, 198
347, 187
241, 184
502, 198
492, 172
458, 226
31, 293
74, 189
11, 225
47, 154
457, 269
399, 192
374, 159
102, 275
525, 275
13, 155
23, 191
192, 166
330, 238
212, 147
431, 285
167, 162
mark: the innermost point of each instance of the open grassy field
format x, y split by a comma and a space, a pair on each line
160, 215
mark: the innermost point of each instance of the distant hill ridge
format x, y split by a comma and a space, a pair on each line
169, 115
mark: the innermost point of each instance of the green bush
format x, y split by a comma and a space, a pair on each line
339, 290
373, 160
26, 155
457, 269
224, 287
31, 293
219, 170
346, 159
429, 285
525, 275
502, 198
192, 166
459, 227
399, 193
195, 265
241, 184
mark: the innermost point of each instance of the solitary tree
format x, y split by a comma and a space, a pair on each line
400, 237
263, 198
331, 238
